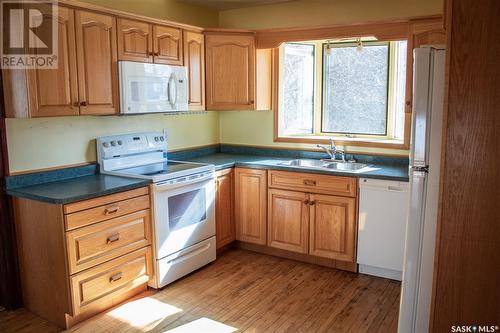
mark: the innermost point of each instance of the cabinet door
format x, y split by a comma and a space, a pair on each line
194, 59
251, 205
134, 40
333, 227
167, 45
224, 213
230, 79
54, 92
97, 67
288, 220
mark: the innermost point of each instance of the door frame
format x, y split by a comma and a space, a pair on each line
10, 288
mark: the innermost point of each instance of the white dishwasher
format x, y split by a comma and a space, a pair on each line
383, 210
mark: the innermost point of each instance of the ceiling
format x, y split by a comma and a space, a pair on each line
232, 4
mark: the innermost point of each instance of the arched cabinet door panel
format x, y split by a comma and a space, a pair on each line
167, 45
230, 71
134, 41
54, 92
97, 63
194, 60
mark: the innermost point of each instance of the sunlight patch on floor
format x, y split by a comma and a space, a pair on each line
203, 325
144, 313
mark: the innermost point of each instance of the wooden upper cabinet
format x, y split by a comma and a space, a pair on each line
230, 71
194, 60
134, 40
97, 63
250, 199
333, 227
288, 220
54, 92
224, 207
167, 45
421, 32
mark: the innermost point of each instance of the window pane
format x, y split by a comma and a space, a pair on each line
355, 89
399, 112
297, 106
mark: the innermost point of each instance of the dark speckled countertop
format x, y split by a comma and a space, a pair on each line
68, 185
224, 161
76, 189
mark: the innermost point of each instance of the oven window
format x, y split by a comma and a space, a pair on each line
186, 209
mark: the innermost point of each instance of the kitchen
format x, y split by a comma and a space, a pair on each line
221, 167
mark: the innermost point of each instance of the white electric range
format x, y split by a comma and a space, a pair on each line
183, 200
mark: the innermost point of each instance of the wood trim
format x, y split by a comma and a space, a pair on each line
75, 165
343, 265
10, 289
405, 145
128, 15
391, 29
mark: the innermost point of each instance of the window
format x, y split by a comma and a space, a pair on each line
352, 90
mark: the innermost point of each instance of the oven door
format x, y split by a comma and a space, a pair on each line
184, 214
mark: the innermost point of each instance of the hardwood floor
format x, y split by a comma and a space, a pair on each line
247, 292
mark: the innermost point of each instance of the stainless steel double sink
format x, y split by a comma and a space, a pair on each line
327, 165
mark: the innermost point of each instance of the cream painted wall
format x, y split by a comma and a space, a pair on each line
325, 12
32, 142
256, 128
52, 142
165, 9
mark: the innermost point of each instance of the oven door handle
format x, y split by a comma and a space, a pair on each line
166, 186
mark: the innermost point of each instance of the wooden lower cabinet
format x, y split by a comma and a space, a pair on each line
288, 220
72, 269
251, 205
224, 207
333, 227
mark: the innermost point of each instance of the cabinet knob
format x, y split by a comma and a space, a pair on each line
309, 182
111, 210
306, 202
113, 238
115, 277
84, 103
312, 203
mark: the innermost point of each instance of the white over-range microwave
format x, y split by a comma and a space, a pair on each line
152, 88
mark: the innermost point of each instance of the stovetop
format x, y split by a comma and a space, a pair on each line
143, 155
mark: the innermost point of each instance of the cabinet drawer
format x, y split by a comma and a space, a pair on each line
313, 183
104, 200
106, 212
100, 242
102, 286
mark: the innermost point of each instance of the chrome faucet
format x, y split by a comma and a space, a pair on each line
330, 149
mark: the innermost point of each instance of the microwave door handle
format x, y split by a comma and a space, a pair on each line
172, 90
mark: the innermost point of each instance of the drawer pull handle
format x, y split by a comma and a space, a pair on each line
111, 210
116, 277
309, 182
113, 238
312, 202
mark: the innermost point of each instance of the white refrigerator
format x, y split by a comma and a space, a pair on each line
425, 157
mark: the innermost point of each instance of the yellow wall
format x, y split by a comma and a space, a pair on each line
165, 9
325, 12
32, 142
256, 128
51, 142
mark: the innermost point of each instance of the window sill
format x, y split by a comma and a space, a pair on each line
343, 141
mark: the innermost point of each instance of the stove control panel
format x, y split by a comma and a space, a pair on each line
130, 144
